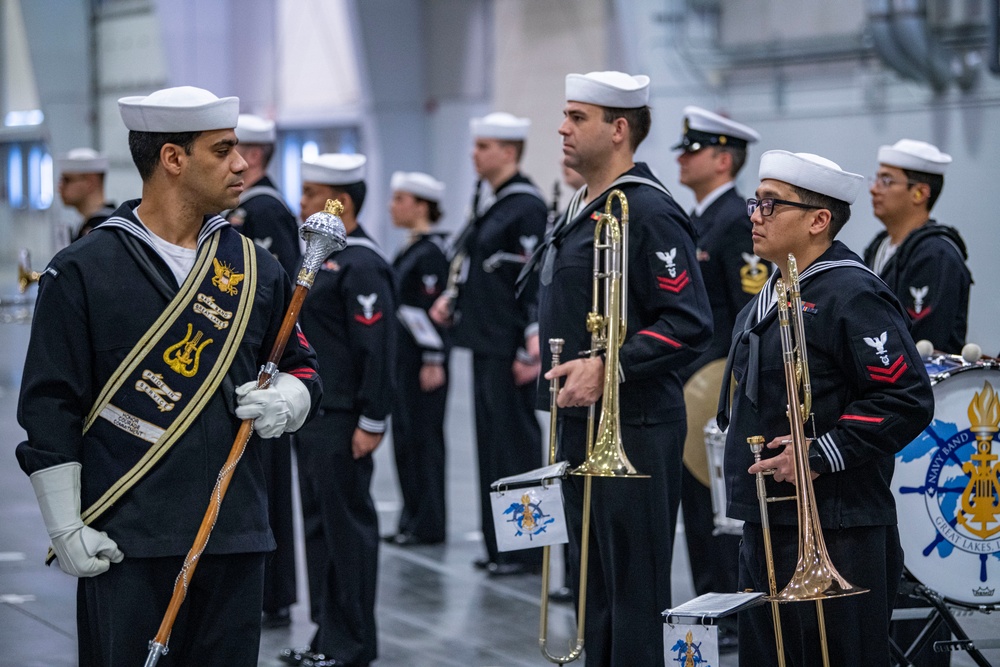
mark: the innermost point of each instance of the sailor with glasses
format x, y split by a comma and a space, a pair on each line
923, 262
870, 398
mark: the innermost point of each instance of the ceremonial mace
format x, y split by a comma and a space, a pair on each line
323, 233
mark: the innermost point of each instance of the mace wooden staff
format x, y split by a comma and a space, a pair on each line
323, 233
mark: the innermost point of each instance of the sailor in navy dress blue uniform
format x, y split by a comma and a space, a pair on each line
669, 325
263, 216
713, 150
351, 313
922, 261
870, 398
422, 350
141, 457
81, 185
499, 327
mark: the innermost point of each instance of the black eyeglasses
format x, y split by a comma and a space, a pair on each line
767, 205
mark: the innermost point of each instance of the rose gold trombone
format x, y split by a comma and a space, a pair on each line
324, 233
815, 577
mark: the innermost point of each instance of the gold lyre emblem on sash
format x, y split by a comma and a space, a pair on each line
183, 357
980, 511
224, 278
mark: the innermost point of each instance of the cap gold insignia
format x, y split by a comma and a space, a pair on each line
225, 279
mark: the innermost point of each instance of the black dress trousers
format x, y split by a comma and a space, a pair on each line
341, 537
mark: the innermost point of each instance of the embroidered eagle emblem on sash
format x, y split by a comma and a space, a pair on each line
224, 278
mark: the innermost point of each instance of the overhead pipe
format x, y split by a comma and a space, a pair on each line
880, 25
912, 35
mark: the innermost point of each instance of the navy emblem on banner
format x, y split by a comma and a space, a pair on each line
947, 488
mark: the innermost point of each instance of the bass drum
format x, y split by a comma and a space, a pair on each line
947, 488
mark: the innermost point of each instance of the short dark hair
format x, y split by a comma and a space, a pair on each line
146, 146
738, 155
840, 211
639, 121
356, 191
267, 150
433, 209
935, 181
518, 145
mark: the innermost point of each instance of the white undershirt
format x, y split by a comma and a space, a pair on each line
179, 259
883, 254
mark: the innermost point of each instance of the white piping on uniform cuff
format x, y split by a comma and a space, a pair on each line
371, 425
531, 330
523, 356
433, 358
828, 448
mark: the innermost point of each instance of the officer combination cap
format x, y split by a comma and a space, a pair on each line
417, 184
251, 129
334, 169
82, 161
702, 128
616, 90
500, 125
914, 155
181, 109
811, 172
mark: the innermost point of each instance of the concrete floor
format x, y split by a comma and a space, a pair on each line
434, 609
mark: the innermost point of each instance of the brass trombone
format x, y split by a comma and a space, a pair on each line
815, 577
605, 456
25, 276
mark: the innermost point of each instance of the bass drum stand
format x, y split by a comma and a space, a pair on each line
937, 613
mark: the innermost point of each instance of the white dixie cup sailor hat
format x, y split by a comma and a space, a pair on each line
914, 155
500, 125
82, 161
417, 184
608, 89
811, 172
334, 169
181, 109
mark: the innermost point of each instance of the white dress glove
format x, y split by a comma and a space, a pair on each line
80, 550
280, 408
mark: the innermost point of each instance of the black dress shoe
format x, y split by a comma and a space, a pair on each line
562, 594
409, 540
276, 619
482, 563
510, 569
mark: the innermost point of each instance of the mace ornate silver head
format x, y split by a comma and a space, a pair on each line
323, 233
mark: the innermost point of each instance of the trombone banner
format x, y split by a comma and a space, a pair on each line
530, 516
528, 509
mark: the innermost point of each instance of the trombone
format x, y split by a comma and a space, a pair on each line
815, 577
605, 456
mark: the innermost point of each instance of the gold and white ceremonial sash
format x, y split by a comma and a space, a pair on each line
163, 384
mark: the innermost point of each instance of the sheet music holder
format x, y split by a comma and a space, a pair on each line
532, 477
707, 609
418, 324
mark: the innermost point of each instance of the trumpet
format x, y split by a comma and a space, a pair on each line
815, 576
605, 455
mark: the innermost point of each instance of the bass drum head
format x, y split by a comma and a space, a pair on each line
947, 490
701, 401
